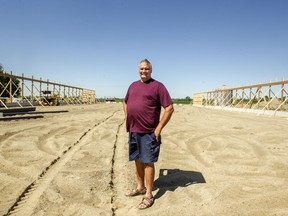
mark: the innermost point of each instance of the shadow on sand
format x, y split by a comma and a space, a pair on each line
171, 179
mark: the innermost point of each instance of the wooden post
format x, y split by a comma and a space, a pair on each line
22, 83
242, 97
32, 88
40, 88
282, 96
259, 96
269, 97
10, 88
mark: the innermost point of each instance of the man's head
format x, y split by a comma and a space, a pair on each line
145, 70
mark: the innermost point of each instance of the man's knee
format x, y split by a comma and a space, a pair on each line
149, 165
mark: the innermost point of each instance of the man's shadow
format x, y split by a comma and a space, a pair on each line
171, 179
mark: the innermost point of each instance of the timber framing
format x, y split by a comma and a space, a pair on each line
263, 98
31, 92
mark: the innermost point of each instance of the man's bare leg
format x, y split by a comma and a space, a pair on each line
149, 178
140, 173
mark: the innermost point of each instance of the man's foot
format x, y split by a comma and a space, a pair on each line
136, 192
146, 203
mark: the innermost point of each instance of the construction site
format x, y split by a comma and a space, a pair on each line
74, 161
266, 98
21, 95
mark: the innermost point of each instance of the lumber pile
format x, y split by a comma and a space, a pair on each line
24, 113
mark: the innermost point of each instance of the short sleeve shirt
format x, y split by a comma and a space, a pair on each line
144, 101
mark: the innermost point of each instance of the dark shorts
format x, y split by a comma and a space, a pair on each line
144, 146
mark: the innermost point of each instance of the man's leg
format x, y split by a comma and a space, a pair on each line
149, 178
148, 200
140, 173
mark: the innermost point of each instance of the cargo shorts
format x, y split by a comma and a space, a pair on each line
144, 146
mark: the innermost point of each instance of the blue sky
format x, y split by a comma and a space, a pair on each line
194, 45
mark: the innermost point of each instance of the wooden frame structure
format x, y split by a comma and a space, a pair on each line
31, 92
269, 97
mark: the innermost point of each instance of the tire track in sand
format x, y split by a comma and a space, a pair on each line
28, 199
112, 172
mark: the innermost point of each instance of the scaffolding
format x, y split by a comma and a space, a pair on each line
38, 92
271, 98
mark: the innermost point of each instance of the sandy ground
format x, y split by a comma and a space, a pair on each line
212, 162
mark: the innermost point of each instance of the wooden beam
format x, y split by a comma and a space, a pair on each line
19, 110
31, 112
20, 117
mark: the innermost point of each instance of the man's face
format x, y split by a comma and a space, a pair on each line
144, 71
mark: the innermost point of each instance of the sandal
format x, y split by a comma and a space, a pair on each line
146, 203
136, 192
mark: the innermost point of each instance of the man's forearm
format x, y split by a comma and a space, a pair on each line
166, 116
168, 111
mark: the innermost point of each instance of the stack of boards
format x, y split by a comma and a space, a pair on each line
23, 113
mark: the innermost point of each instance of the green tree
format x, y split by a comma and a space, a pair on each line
4, 81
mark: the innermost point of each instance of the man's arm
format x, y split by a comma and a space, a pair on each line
168, 111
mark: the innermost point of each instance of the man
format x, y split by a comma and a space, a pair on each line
142, 107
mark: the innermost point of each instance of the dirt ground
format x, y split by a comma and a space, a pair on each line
212, 162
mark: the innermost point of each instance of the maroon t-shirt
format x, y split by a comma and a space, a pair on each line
144, 101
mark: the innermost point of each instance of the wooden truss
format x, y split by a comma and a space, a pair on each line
32, 92
272, 97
